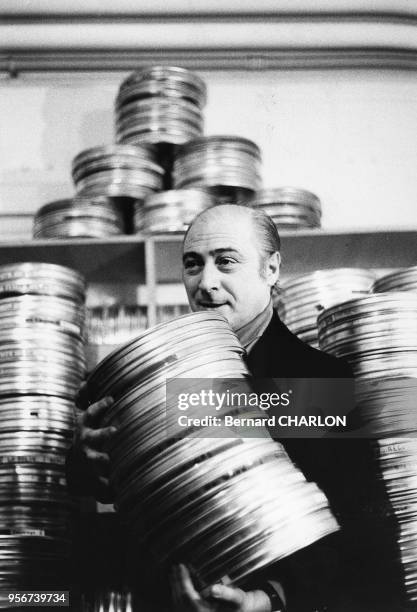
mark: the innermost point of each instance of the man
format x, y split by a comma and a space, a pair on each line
231, 264
231, 260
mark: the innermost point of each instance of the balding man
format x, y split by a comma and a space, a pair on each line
231, 259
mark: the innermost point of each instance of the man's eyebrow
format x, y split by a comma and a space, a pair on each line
214, 252
190, 254
224, 250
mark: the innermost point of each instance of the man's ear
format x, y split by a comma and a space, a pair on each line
272, 268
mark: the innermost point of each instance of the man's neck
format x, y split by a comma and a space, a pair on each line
249, 333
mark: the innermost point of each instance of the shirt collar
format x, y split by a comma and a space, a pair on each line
249, 333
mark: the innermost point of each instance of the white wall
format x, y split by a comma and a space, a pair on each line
348, 136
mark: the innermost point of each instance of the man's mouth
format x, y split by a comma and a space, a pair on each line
211, 304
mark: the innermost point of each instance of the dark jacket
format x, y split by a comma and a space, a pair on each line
279, 353
348, 570
338, 571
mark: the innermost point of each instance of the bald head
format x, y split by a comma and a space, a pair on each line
264, 228
230, 262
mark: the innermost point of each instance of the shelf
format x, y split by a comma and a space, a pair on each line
122, 259
118, 259
308, 250
315, 250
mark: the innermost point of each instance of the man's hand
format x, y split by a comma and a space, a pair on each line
90, 443
220, 598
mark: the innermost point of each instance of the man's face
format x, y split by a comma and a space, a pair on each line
222, 268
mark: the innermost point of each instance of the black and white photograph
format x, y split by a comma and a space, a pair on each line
208, 305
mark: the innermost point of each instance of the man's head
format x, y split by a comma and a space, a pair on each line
231, 262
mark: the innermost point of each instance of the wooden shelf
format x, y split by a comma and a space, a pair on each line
315, 250
308, 250
118, 259
122, 259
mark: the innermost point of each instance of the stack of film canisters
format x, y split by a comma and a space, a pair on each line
170, 211
378, 335
401, 280
195, 495
95, 217
398, 458
32, 278
290, 207
228, 167
303, 297
160, 104
42, 365
41, 330
117, 171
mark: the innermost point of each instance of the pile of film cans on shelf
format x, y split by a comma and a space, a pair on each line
170, 211
120, 171
378, 335
228, 167
303, 297
79, 217
160, 104
290, 208
162, 170
179, 491
42, 366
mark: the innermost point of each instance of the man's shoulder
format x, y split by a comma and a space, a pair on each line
280, 353
325, 365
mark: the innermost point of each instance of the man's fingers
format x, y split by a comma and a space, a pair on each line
98, 438
186, 583
101, 459
228, 594
96, 411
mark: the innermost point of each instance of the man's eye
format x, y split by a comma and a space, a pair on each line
190, 264
226, 262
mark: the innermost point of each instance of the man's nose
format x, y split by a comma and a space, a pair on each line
209, 278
